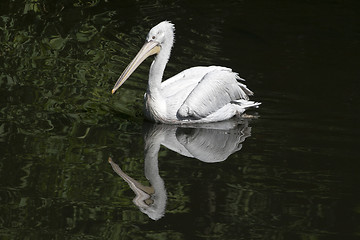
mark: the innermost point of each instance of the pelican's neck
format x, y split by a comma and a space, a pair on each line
158, 67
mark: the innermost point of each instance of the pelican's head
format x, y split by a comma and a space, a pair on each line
163, 33
160, 37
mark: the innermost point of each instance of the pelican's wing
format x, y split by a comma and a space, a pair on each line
184, 82
216, 89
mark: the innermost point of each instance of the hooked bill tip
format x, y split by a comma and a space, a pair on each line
112, 91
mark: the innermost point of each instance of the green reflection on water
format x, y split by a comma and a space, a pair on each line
59, 123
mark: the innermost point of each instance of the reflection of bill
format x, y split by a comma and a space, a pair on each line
145, 196
209, 143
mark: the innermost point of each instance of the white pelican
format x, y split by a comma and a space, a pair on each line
195, 95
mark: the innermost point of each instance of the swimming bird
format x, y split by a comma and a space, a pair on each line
195, 95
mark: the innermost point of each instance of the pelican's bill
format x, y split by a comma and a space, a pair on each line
149, 48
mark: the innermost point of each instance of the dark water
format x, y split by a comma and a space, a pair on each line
292, 173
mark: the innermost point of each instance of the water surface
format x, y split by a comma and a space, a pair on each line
292, 173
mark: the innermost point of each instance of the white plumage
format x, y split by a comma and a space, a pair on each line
195, 95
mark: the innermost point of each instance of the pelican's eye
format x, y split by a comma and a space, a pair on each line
153, 37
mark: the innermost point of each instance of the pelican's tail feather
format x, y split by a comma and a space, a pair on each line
243, 87
246, 90
245, 104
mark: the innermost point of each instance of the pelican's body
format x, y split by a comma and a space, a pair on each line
198, 94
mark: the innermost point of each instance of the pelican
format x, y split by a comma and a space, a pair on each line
195, 95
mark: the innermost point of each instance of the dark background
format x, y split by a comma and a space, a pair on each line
296, 177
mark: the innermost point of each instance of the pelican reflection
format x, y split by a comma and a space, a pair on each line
211, 143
